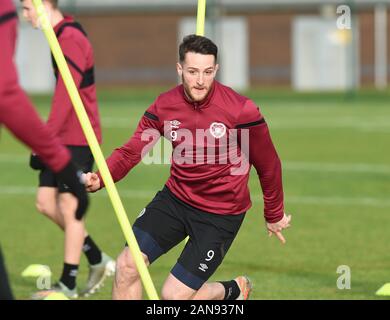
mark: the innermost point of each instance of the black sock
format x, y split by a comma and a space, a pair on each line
92, 251
232, 291
69, 274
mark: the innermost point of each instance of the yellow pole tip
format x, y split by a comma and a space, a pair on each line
384, 291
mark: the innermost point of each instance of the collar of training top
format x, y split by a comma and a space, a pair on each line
202, 104
67, 18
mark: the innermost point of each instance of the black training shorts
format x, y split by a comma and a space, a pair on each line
82, 158
166, 221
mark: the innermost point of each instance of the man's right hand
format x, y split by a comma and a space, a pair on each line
92, 181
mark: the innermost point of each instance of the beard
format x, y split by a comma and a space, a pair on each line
187, 91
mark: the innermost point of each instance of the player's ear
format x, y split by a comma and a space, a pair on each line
179, 69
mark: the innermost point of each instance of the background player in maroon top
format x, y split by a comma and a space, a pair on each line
206, 201
18, 115
52, 199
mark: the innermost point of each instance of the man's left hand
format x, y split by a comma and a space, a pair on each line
277, 227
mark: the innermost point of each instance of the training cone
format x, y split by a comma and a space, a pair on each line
36, 270
56, 296
384, 290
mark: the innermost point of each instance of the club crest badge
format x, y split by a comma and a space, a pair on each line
217, 130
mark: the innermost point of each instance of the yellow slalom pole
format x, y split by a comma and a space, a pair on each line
200, 20
95, 148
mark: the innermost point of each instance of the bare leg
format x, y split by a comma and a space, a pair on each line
174, 289
210, 291
127, 284
47, 204
74, 229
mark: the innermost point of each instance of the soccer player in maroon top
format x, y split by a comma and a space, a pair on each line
206, 196
19, 116
52, 198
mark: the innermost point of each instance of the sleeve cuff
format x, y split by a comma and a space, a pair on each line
275, 219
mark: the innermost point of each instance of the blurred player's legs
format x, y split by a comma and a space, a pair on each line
100, 264
5, 289
60, 212
55, 202
61, 209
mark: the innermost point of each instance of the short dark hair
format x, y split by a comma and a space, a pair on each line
54, 3
197, 44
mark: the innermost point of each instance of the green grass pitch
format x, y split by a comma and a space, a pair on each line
335, 152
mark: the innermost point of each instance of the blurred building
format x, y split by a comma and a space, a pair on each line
263, 43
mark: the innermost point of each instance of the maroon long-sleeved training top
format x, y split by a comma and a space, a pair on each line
16, 111
78, 53
200, 174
